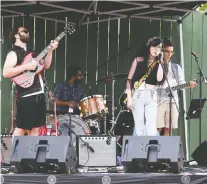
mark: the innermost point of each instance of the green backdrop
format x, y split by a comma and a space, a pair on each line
105, 44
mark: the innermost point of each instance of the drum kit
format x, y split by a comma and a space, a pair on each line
93, 116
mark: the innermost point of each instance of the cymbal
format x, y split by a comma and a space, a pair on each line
113, 77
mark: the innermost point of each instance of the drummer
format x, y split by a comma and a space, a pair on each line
69, 93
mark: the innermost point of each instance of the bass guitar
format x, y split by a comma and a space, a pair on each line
26, 79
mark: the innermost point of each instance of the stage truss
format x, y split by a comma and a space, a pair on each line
78, 11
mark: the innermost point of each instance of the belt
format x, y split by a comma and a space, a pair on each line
29, 92
147, 86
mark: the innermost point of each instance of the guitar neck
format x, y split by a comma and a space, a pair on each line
45, 51
181, 86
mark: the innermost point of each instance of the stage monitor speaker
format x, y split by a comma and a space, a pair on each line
152, 153
43, 154
96, 151
200, 154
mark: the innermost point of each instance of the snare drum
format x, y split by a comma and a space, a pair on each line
92, 107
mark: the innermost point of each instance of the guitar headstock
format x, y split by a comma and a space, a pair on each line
69, 28
203, 79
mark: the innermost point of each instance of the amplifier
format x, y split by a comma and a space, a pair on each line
96, 151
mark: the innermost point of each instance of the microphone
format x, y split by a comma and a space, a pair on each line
194, 54
160, 57
200, 71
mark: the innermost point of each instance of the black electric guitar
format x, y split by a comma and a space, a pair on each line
123, 97
181, 86
178, 87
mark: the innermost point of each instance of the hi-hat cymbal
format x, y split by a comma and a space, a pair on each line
113, 77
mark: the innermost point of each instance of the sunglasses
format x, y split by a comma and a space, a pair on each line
24, 31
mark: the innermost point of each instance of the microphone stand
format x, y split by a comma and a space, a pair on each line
70, 141
201, 75
70, 125
171, 97
70, 131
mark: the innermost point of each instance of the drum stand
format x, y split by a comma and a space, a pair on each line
112, 78
112, 108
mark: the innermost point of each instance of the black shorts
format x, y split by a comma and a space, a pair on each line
31, 112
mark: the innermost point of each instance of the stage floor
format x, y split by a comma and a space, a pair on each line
107, 178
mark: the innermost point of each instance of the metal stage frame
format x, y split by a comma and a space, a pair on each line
148, 10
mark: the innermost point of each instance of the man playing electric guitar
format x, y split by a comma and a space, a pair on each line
175, 77
31, 106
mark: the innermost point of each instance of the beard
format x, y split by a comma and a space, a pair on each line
24, 38
77, 82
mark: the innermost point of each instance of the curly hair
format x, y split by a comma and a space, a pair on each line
72, 71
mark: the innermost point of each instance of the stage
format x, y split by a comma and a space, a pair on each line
107, 178
190, 175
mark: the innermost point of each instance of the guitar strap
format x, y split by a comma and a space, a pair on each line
174, 67
137, 84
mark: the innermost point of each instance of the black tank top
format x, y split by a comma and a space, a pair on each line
36, 86
141, 70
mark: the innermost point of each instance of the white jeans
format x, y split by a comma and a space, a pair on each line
145, 112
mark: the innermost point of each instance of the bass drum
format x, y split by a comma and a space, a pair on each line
78, 127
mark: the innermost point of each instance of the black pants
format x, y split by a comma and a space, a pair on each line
31, 112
